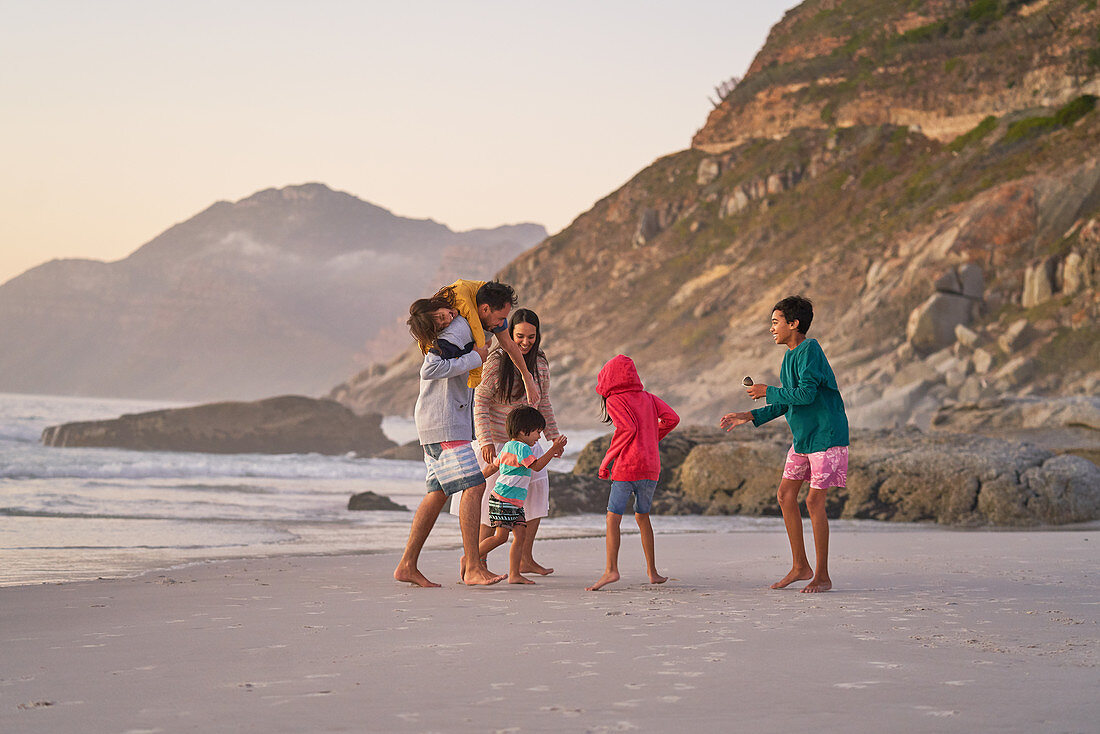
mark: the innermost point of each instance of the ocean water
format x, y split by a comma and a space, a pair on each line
75, 513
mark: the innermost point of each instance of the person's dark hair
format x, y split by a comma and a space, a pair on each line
796, 307
524, 419
496, 294
509, 385
604, 417
420, 322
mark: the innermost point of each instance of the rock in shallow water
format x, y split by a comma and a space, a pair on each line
290, 424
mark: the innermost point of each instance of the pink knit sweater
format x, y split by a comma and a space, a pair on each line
490, 412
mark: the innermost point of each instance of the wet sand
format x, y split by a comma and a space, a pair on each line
926, 631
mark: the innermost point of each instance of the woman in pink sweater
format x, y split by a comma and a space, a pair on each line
641, 419
500, 391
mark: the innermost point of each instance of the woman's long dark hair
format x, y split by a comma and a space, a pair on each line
507, 388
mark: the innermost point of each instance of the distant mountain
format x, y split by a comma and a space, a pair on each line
284, 291
927, 172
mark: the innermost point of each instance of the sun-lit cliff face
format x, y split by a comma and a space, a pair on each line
943, 65
945, 268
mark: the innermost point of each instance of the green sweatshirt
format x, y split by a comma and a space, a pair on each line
810, 399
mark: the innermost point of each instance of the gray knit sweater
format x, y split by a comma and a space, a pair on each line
445, 407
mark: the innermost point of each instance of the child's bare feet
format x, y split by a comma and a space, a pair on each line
412, 575
818, 585
796, 574
518, 579
532, 567
608, 578
656, 578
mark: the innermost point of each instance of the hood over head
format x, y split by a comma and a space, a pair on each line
618, 375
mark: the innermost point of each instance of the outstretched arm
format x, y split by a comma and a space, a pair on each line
732, 420
556, 449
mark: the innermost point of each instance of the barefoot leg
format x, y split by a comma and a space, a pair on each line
515, 555
815, 504
792, 520
645, 528
484, 533
611, 571
527, 562
422, 524
469, 515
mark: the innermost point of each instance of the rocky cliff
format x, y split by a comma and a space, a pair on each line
942, 65
274, 293
946, 269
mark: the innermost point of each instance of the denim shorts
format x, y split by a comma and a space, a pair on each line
621, 492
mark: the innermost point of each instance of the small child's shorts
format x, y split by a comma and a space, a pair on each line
504, 514
824, 469
621, 492
452, 467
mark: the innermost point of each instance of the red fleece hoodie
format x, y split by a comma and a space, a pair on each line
641, 419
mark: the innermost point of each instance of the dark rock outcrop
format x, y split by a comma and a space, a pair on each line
367, 501
905, 475
290, 424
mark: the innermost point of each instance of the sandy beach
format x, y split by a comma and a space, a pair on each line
927, 631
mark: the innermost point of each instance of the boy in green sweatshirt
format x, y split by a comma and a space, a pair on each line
810, 399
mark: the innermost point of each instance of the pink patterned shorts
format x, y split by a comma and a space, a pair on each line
824, 469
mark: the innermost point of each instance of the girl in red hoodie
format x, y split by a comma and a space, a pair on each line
641, 419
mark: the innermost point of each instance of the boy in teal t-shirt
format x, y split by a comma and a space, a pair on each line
518, 461
811, 401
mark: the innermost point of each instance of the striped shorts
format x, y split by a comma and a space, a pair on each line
504, 513
452, 467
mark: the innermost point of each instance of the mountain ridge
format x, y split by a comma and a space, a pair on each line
275, 293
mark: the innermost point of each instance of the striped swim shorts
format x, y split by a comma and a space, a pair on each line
504, 513
452, 467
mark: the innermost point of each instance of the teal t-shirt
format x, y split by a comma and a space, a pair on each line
809, 398
516, 458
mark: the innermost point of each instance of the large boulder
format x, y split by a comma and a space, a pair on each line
290, 424
369, 501
900, 475
734, 477
572, 494
932, 325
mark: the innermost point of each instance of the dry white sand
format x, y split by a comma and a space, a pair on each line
927, 631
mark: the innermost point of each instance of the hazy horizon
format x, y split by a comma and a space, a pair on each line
124, 118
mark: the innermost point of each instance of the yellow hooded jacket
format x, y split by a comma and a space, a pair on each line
465, 292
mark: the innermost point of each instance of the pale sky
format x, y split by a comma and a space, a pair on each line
122, 118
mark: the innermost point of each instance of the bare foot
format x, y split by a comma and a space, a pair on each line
656, 578
462, 568
796, 574
413, 576
818, 585
608, 578
480, 576
518, 579
532, 567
